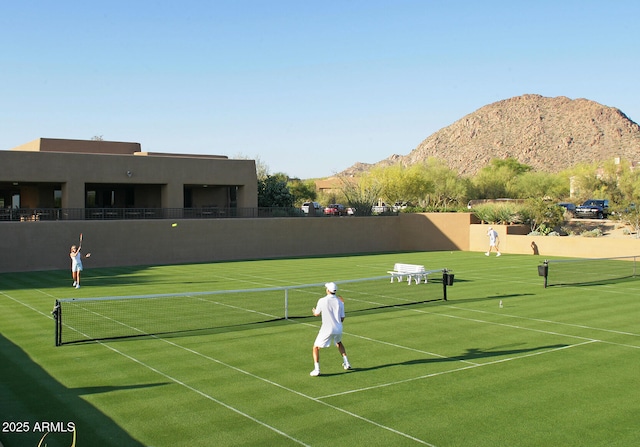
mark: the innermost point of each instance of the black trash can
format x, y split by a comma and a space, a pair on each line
543, 270
447, 278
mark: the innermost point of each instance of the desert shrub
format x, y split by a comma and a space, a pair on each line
596, 232
541, 215
498, 213
567, 230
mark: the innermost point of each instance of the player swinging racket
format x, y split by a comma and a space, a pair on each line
331, 307
76, 263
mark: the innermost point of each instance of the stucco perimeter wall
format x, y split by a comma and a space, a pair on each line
45, 245
434, 231
568, 246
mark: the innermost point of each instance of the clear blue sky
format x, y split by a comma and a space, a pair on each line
308, 87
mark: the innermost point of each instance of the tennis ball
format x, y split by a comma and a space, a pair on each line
174, 224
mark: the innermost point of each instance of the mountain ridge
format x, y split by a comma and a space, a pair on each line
549, 134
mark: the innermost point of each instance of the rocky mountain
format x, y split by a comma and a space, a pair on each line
549, 134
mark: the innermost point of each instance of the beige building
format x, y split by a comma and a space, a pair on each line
51, 179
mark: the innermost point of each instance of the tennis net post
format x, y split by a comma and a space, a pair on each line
57, 319
543, 270
447, 280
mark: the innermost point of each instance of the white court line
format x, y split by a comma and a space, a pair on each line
512, 326
319, 399
229, 407
426, 376
580, 326
298, 393
394, 345
29, 306
203, 394
172, 379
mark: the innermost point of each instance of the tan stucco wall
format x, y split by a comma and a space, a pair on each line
435, 231
574, 246
45, 245
567, 246
79, 146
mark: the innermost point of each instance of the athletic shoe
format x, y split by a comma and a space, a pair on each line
77, 286
486, 254
74, 284
346, 366
315, 373
498, 254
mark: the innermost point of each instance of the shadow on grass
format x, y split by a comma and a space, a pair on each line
470, 355
483, 298
589, 282
222, 329
132, 333
100, 277
28, 394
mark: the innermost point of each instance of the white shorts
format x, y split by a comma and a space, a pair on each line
326, 340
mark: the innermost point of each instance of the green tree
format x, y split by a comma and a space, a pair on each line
541, 215
586, 181
629, 187
273, 191
402, 184
497, 179
540, 184
302, 191
361, 193
448, 188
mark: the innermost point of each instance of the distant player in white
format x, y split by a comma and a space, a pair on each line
331, 307
494, 241
76, 264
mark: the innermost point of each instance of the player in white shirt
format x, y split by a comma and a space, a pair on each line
331, 308
494, 241
76, 264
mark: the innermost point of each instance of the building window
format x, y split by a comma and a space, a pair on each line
91, 199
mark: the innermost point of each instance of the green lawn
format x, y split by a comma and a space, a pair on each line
551, 367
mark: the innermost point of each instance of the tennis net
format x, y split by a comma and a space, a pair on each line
588, 271
86, 319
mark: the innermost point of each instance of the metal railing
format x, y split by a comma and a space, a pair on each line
50, 214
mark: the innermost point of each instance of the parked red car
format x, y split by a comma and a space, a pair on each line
335, 209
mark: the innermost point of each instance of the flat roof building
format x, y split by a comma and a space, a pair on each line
101, 175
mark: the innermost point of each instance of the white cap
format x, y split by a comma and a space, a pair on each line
331, 287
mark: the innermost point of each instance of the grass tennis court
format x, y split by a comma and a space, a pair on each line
555, 366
